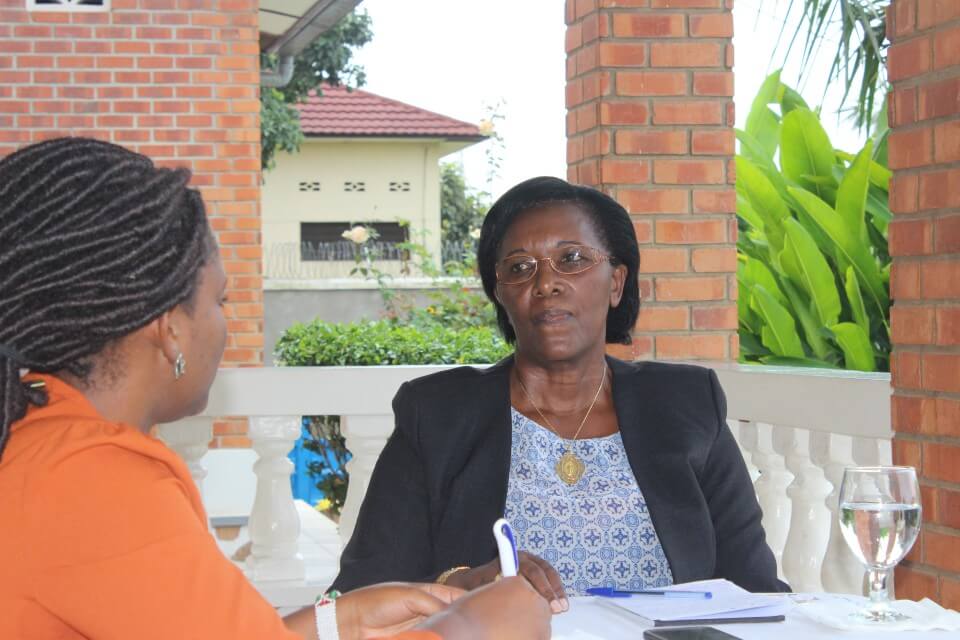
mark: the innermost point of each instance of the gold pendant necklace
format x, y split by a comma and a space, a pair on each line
569, 467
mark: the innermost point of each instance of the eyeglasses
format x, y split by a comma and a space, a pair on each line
567, 260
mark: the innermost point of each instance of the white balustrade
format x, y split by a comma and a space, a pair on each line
740, 432
797, 429
771, 487
842, 572
801, 428
809, 517
190, 438
274, 523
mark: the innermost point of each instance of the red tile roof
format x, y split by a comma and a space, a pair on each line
342, 112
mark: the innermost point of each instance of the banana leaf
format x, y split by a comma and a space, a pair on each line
791, 100
751, 149
857, 351
808, 322
746, 211
750, 346
812, 272
879, 174
850, 247
852, 193
753, 185
857, 309
779, 333
762, 123
805, 150
755, 272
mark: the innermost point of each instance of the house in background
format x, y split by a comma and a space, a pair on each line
366, 160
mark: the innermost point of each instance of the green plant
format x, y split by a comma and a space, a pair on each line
461, 208
813, 266
328, 59
330, 471
384, 342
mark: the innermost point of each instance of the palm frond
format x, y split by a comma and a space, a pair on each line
861, 52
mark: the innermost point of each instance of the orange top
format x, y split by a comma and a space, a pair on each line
103, 535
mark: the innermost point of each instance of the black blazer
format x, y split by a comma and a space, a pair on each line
441, 480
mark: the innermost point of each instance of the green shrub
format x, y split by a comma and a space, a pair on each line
386, 342
813, 267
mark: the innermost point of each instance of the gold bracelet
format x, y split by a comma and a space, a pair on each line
443, 577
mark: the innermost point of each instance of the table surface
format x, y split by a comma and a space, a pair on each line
596, 619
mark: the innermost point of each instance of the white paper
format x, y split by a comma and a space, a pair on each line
729, 601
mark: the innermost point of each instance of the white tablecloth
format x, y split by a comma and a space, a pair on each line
596, 619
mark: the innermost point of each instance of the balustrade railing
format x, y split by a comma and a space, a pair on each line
797, 429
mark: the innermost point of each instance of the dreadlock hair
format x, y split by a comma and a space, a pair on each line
95, 243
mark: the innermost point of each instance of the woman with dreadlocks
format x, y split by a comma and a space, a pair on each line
111, 320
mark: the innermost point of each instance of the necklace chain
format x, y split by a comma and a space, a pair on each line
585, 416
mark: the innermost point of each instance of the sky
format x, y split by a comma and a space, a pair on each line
464, 58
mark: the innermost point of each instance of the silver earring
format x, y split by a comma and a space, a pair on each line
179, 366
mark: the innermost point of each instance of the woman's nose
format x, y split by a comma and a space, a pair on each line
546, 281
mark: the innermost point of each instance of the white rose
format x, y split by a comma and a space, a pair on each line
359, 234
475, 234
486, 127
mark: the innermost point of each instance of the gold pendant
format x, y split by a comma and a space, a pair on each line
570, 468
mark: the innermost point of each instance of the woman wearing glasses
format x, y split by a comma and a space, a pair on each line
612, 473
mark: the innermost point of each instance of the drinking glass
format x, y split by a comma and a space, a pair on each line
880, 519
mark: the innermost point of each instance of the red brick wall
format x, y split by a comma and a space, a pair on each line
175, 79
650, 121
924, 67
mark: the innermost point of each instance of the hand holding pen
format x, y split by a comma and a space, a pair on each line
537, 571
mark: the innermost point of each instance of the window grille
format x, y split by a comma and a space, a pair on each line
68, 5
323, 241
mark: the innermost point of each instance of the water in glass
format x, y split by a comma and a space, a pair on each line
880, 518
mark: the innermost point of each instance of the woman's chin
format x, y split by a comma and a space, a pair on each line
556, 350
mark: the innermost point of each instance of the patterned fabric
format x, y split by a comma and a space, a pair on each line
597, 532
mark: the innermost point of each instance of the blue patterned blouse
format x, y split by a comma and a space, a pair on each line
595, 533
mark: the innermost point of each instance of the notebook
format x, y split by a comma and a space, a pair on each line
729, 605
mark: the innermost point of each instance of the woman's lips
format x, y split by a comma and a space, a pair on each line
552, 316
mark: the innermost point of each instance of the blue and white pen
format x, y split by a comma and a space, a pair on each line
507, 547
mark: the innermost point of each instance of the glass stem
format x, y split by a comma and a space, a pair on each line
879, 598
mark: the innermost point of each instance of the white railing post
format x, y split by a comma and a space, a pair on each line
274, 523
365, 437
809, 518
190, 438
841, 572
742, 434
771, 487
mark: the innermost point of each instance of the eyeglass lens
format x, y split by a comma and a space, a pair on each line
569, 259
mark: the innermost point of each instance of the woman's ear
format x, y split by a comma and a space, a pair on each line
617, 281
166, 335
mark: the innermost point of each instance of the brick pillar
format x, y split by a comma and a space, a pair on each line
924, 68
650, 121
177, 80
